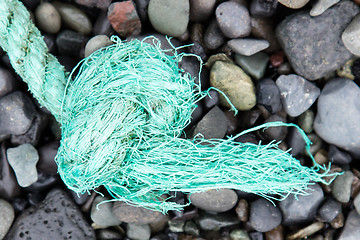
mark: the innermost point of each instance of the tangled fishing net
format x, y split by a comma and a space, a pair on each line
122, 117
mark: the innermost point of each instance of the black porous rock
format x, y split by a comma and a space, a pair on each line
304, 208
57, 217
263, 8
338, 115
268, 95
264, 216
313, 45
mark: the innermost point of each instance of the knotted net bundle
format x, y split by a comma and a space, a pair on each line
123, 117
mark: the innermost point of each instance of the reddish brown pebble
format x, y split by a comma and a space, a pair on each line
338, 222
275, 234
242, 210
124, 19
355, 187
357, 2
277, 58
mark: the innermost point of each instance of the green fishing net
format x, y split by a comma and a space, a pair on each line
123, 111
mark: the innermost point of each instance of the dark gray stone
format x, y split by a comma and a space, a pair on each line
221, 200
17, 112
264, 216
47, 155
351, 230
130, 214
70, 43
295, 141
296, 93
313, 44
200, 10
338, 115
44, 182
338, 157
274, 133
341, 187
263, 8
211, 99
302, 209
233, 19
141, 9
212, 125
329, 210
213, 222
191, 228
57, 217
213, 37
268, 95
7, 82
102, 25
107, 234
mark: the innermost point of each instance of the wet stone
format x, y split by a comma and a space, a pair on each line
233, 19
220, 200
169, 17
268, 95
213, 125
329, 210
23, 160
124, 18
7, 82
57, 217
297, 94
263, 8
313, 53
341, 187
302, 209
7, 216
264, 216
16, 113
130, 214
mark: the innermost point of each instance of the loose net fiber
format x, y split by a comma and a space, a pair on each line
122, 116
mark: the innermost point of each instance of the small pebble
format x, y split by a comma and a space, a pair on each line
213, 37
263, 28
306, 120
169, 17
213, 125
247, 47
235, 83
7, 82
341, 187
351, 231
107, 234
124, 19
191, 228
211, 99
254, 65
329, 210
214, 222
23, 160
239, 234
302, 209
321, 6
102, 25
47, 155
275, 234
294, 4
321, 157
339, 157
264, 216
130, 214
70, 43
338, 222
217, 57
102, 214
242, 210
355, 70
200, 10
142, 9
307, 231
48, 18
232, 123
73, 17
176, 225
233, 19
275, 133
345, 71
297, 94
95, 43
138, 231
316, 145
263, 8
221, 200
350, 36
268, 95
277, 58
7, 216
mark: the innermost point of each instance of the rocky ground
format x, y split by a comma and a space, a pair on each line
290, 61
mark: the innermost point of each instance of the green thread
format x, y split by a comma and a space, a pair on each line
122, 116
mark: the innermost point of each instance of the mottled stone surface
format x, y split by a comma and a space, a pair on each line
220, 200
312, 44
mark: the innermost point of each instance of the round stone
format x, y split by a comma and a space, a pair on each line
220, 200
350, 36
233, 19
341, 187
294, 4
48, 19
96, 43
169, 17
235, 84
264, 216
101, 214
